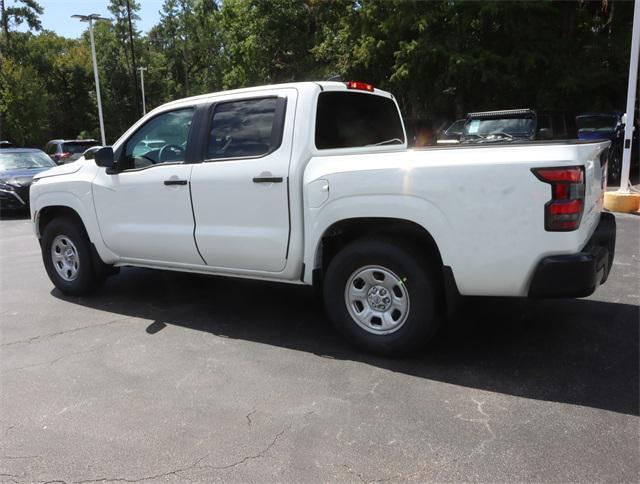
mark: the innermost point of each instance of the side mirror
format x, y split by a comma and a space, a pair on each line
104, 157
544, 133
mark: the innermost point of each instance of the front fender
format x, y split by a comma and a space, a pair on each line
76, 195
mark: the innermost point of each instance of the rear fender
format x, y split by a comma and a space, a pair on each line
400, 207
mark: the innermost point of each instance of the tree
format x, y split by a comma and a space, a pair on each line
125, 15
23, 102
28, 12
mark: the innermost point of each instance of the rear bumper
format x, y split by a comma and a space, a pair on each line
578, 275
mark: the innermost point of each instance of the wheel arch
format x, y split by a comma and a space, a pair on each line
340, 233
47, 214
344, 231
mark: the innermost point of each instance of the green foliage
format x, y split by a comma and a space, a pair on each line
23, 102
440, 58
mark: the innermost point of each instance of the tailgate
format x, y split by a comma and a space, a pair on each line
594, 157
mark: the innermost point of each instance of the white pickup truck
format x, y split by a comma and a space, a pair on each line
312, 183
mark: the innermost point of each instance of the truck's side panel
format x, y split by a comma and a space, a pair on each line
484, 208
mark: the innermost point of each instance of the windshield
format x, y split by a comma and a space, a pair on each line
14, 161
516, 127
76, 147
597, 123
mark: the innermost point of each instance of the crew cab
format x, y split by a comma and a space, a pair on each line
312, 183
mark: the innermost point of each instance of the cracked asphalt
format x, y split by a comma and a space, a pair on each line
165, 377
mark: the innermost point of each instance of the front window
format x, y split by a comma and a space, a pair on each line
14, 161
351, 120
163, 139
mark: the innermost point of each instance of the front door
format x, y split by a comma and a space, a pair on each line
240, 191
144, 210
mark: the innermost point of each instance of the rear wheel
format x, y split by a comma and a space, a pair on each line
383, 297
66, 253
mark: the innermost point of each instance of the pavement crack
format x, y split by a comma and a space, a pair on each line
51, 362
145, 478
248, 417
194, 466
260, 454
486, 418
59, 333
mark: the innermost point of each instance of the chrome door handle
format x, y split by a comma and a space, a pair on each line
175, 182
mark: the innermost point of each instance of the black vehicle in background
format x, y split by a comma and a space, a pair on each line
65, 151
5, 144
518, 125
18, 166
609, 126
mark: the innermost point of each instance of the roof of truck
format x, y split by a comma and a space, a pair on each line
331, 85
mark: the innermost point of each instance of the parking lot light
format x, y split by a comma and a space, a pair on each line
90, 18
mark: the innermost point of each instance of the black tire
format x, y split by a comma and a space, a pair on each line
420, 281
87, 278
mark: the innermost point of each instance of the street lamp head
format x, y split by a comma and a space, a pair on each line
88, 18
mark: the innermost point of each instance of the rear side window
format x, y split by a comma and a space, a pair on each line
350, 120
246, 129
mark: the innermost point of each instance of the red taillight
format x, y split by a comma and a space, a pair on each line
360, 86
564, 211
65, 155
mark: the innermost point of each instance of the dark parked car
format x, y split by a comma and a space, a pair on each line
65, 151
609, 126
518, 125
5, 144
18, 166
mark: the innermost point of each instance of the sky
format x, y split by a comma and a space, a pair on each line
57, 13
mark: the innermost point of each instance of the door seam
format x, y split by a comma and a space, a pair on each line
193, 214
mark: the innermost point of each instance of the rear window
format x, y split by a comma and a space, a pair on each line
350, 120
78, 147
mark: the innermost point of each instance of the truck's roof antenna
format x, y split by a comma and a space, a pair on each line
335, 77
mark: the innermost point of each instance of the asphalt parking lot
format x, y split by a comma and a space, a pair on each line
168, 377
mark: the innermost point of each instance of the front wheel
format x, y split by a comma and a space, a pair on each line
66, 253
383, 297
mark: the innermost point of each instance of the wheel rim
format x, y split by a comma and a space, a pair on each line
377, 300
65, 258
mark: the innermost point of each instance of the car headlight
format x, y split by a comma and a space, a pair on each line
5, 186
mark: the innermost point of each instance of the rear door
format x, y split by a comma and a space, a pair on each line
240, 191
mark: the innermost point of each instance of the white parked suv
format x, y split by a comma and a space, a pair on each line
312, 183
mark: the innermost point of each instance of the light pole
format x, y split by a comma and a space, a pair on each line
631, 100
90, 18
144, 106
